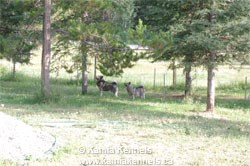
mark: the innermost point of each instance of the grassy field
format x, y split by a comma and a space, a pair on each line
162, 129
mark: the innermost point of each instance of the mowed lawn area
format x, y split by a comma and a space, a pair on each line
163, 129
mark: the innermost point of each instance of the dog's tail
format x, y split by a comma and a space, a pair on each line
141, 86
114, 83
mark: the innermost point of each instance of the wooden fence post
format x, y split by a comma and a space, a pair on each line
164, 80
154, 77
246, 88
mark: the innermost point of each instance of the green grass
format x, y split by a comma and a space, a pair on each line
163, 120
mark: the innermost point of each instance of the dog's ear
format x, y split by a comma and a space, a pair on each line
99, 77
129, 83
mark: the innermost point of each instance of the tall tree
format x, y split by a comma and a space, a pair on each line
17, 37
46, 52
162, 16
205, 33
219, 30
94, 26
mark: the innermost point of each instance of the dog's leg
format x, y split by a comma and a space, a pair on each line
116, 93
134, 93
142, 94
101, 92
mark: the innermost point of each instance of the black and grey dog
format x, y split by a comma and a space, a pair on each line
135, 91
106, 86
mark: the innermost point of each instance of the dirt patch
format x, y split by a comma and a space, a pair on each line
20, 142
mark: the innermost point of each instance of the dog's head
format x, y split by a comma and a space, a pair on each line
129, 88
99, 78
127, 84
100, 81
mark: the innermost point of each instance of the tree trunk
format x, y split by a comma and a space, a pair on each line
95, 68
188, 80
211, 83
84, 71
174, 74
77, 74
46, 52
14, 68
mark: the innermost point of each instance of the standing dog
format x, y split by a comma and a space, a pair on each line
137, 91
106, 86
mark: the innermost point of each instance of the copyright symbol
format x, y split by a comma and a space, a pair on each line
82, 150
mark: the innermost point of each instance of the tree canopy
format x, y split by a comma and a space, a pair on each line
17, 34
193, 32
101, 26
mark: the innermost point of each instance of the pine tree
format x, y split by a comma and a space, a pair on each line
17, 38
207, 33
95, 26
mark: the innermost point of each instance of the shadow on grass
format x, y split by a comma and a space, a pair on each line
153, 111
233, 103
145, 115
227, 102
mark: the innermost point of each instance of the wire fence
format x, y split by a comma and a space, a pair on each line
226, 78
